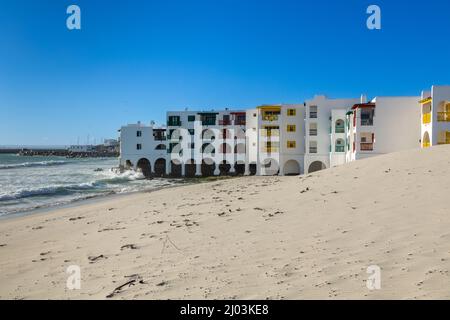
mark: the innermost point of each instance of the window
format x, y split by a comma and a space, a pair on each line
340, 145
291, 144
191, 131
367, 116
291, 128
139, 134
313, 129
291, 112
192, 145
191, 118
313, 112
313, 147
174, 121
139, 146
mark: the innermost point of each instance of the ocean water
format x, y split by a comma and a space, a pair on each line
29, 183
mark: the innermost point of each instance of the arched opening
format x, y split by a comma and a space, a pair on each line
316, 166
208, 167
190, 168
160, 167
340, 145
340, 126
239, 148
291, 168
175, 168
253, 169
128, 165
426, 143
145, 167
270, 167
239, 168
208, 134
224, 168
239, 133
208, 148
225, 148
160, 147
226, 134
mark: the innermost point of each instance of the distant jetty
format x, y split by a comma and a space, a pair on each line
100, 153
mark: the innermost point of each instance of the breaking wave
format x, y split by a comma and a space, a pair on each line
33, 164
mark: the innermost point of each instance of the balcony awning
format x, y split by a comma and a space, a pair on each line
426, 100
349, 113
363, 105
275, 108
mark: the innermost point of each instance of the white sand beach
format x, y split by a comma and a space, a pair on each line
307, 237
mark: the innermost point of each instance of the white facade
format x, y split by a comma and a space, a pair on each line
206, 143
279, 144
321, 115
435, 111
384, 125
143, 146
286, 139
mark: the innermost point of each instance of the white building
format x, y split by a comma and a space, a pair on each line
325, 132
206, 143
435, 127
276, 139
286, 139
143, 147
384, 125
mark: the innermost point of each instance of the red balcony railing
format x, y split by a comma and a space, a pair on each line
366, 146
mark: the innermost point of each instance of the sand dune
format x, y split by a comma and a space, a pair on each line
248, 238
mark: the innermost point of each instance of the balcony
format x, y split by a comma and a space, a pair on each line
174, 123
312, 149
271, 150
426, 118
443, 116
366, 146
224, 122
340, 129
340, 149
366, 122
313, 132
270, 133
270, 118
313, 115
239, 122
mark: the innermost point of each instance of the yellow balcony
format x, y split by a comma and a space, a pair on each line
426, 118
270, 118
270, 133
426, 145
444, 116
271, 150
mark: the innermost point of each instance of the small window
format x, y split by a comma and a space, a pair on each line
291, 128
139, 146
313, 147
291, 144
313, 112
191, 118
292, 112
192, 145
254, 115
139, 134
313, 129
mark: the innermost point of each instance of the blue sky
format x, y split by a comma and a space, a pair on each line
134, 60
